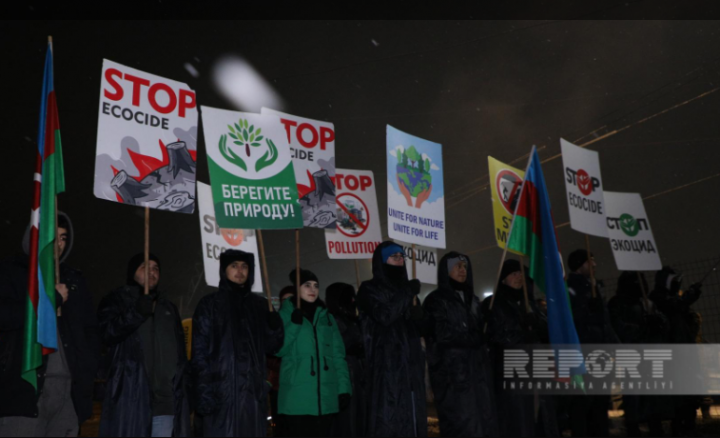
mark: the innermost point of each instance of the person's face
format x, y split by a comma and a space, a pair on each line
397, 259
514, 280
585, 268
61, 240
459, 272
237, 272
153, 274
310, 291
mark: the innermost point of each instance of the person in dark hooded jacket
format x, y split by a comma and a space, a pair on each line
675, 303
460, 368
146, 388
340, 301
510, 324
69, 373
637, 320
233, 331
588, 414
392, 328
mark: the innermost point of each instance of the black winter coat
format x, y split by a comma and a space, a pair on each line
127, 408
77, 329
508, 326
350, 422
458, 361
590, 315
395, 382
230, 341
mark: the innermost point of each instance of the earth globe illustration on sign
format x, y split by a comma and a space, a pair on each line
413, 175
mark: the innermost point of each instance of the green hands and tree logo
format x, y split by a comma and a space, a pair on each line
413, 174
629, 225
245, 135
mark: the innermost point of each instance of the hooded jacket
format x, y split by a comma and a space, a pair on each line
666, 296
591, 316
313, 371
635, 319
460, 368
127, 408
231, 339
77, 329
395, 382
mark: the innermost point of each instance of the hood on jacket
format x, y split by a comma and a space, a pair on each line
134, 263
444, 271
340, 299
64, 222
235, 255
628, 285
377, 261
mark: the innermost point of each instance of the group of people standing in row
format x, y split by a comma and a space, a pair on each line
352, 365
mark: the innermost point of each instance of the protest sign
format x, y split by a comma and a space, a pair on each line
312, 149
251, 173
584, 188
425, 263
358, 225
631, 237
416, 194
146, 140
505, 183
216, 240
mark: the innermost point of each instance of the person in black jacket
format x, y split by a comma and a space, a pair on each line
65, 379
675, 303
147, 383
637, 320
392, 324
460, 368
233, 331
511, 324
588, 414
340, 301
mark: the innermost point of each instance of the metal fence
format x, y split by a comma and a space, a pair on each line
709, 303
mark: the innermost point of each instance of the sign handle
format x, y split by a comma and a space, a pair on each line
644, 292
414, 271
297, 265
268, 293
146, 291
592, 268
357, 273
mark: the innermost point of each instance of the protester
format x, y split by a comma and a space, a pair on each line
588, 414
146, 391
392, 327
340, 299
510, 323
636, 320
314, 379
273, 366
63, 400
675, 303
233, 331
460, 368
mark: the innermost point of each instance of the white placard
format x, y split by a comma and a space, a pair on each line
584, 189
631, 237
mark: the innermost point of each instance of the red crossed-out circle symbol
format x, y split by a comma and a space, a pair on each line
507, 186
583, 182
352, 217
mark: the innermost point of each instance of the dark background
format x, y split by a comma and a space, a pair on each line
478, 87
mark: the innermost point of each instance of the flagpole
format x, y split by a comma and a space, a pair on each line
146, 291
644, 292
528, 309
265, 270
590, 263
507, 242
357, 273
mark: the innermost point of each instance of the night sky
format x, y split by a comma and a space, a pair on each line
478, 88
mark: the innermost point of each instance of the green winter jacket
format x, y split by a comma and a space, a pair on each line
313, 371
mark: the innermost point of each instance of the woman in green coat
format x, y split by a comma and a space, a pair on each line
314, 378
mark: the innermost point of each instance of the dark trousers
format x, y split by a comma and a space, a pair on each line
588, 415
307, 425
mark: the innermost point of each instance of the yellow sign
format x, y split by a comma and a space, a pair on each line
505, 182
187, 330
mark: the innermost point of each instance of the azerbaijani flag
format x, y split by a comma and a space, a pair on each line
533, 235
49, 180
